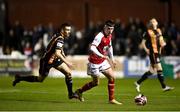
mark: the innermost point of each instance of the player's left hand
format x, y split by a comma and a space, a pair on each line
70, 65
112, 63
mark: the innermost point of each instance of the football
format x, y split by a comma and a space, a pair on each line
140, 100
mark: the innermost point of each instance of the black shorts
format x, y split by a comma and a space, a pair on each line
45, 67
154, 58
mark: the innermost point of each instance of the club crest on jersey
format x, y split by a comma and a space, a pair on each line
59, 44
105, 48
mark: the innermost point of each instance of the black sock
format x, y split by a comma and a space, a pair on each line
161, 79
144, 77
29, 78
69, 85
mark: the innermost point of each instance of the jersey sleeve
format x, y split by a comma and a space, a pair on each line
59, 44
97, 39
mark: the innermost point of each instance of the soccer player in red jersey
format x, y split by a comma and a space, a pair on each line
101, 61
53, 57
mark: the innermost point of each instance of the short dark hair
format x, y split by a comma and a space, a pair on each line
64, 25
110, 23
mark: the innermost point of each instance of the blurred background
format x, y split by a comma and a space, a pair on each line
26, 26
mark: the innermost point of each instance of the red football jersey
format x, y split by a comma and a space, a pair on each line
102, 43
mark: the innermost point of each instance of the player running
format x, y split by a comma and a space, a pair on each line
99, 62
53, 57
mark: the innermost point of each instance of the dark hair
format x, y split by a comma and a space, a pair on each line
110, 23
64, 25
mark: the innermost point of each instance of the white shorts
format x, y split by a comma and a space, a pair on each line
96, 69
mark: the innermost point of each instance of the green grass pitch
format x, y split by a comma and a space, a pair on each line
51, 95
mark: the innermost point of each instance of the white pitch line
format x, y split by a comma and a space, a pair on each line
9, 90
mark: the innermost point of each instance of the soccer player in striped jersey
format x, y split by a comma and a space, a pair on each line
153, 43
100, 61
54, 56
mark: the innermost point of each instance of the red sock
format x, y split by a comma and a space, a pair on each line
111, 89
87, 87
